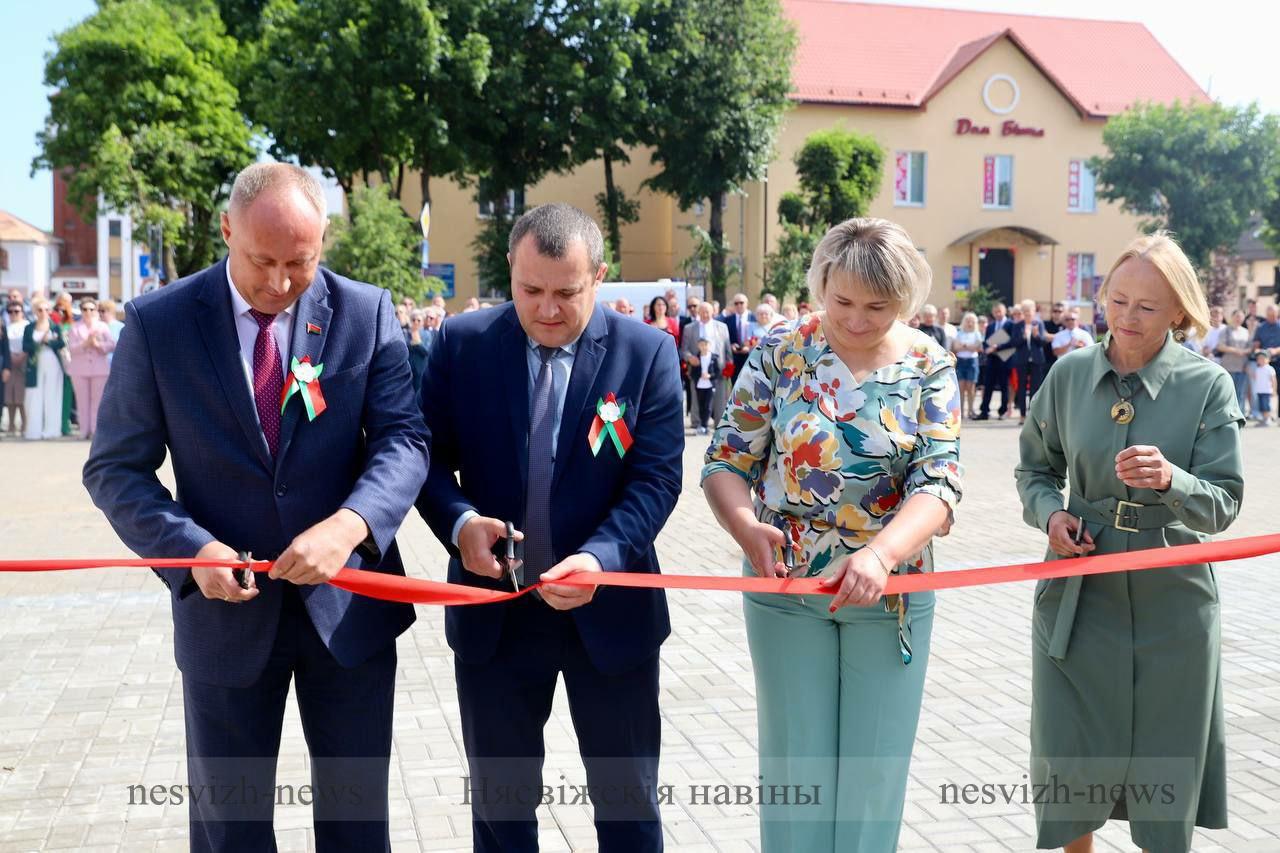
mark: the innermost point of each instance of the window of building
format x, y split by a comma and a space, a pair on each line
113, 227
908, 179
1082, 285
4, 261
487, 201
113, 267
1080, 188
997, 181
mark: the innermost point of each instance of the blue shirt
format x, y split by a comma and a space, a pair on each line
561, 370
1267, 335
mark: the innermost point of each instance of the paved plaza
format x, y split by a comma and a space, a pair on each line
90, 701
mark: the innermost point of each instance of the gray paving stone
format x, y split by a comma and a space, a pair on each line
90, 701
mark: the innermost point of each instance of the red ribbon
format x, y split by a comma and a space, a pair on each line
418, 591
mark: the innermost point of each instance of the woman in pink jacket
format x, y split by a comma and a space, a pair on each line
90, 342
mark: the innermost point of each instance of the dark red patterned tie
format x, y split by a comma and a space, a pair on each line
268, 379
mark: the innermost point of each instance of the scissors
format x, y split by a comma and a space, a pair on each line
242, 575
513, 564
789, 550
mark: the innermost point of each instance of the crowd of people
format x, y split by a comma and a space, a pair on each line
54, 361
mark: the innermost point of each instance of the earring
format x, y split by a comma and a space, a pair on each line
1179, 335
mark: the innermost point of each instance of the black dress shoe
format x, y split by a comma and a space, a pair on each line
982, 417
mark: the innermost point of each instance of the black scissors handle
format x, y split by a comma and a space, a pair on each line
242, 575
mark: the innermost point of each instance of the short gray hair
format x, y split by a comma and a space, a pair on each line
877, 254
254, 180
554, 227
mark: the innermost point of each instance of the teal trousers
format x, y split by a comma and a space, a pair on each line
838, 712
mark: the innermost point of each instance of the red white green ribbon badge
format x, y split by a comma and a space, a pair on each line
609, 423
304, 380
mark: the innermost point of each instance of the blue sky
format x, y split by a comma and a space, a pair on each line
1228, 52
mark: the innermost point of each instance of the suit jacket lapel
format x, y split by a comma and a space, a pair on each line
312, 308
218, 328
579, 407
515, 378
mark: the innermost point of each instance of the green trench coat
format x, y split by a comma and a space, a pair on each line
1126, 711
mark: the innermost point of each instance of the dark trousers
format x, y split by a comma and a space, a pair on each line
233, 739
505, 703
997, 379
704, 404
1030, 377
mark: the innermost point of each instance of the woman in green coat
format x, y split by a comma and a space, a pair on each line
1126, 711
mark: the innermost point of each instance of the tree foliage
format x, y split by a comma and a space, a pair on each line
725, 67
1198, 170
144, 113
839, 173
379, 245
365, 87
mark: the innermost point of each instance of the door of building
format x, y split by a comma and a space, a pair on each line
995, 270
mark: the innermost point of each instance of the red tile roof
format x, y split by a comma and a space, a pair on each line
20, 231
900, 56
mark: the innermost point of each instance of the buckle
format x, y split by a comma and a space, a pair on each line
1123, 515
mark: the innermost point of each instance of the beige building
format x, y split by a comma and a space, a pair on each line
987, 122
1258, 274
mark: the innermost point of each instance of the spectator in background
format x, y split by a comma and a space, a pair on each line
929, 325
90, 342
1070, 336
437, 302
41, 341
770, 300
15, 298
473, 304
660, 319
802, 311
944, 320
1264, 387
419, 346
967, 345
790, 313
690, 310
1267, 337
64, 315
1055, 323
1032, 358
999, 354
623, 307
763, 321
673, 304
738, 321
15, 385
402, 317
1233, 350
1209, 347
705, 326
707, 375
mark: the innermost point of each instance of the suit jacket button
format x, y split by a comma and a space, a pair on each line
281, 489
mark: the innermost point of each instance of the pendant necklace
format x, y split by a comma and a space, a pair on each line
1122, 411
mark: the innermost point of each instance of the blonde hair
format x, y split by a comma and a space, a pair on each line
969, 315
1163, 252
878, 255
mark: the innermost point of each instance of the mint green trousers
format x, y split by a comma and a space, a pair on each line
837, 714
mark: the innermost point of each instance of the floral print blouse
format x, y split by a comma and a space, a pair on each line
833, 458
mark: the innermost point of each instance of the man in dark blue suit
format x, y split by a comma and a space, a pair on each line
200, 371
998, 356
511, 396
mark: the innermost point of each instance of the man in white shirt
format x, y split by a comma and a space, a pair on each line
1070, 336
1216, 325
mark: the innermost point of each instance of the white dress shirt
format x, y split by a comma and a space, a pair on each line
247, 332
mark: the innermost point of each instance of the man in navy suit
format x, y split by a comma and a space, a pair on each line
511, 396
738, 319
200, 372
998, 366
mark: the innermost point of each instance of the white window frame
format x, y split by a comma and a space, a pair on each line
1078, 171
1082, 299
910, 174
995, 190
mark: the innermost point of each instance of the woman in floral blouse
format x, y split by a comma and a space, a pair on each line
844, 432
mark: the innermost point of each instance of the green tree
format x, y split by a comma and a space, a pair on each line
1197, 170
840, 173
725, 67
143, 112
521, 127
610, 98
361, 87
379, 245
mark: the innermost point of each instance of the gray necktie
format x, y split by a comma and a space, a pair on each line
538, 556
